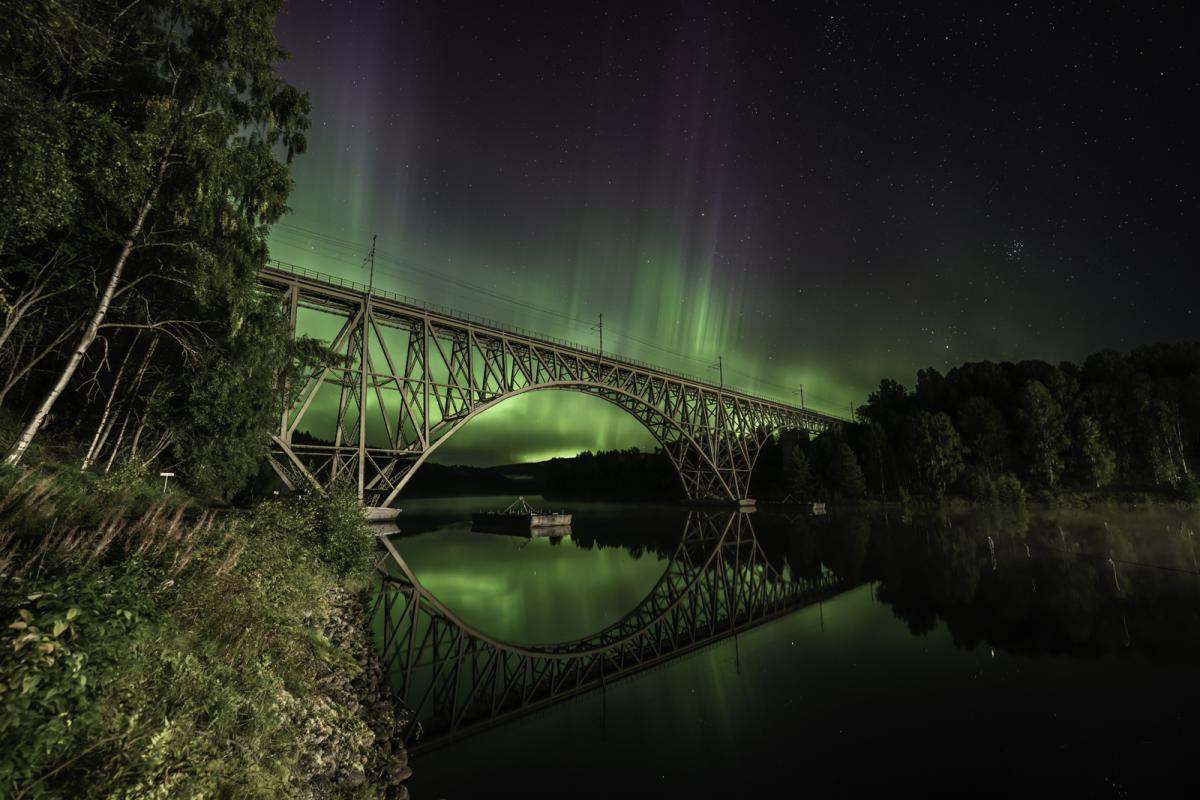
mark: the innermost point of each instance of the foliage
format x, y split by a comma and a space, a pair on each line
1094, 459
984, 433
1123, 424
626, 474
1043, 433
935, 452
60, 495
111, 112
835, 468
224, 413
797, 478
166, 657
1009, 490
979, 486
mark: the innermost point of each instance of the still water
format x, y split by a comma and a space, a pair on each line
981, 653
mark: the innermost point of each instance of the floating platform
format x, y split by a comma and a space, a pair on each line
720, 502
520, 518
815, 509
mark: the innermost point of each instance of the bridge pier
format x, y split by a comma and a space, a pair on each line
381, 513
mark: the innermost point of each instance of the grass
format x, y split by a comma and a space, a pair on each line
154, 653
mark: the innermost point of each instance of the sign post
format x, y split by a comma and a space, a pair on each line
166, 476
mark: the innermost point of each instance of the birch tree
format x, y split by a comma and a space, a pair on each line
161, 136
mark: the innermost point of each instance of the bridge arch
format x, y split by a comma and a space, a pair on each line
718, 581
442, 368
676, 442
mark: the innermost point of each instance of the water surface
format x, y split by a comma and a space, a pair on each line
975, 652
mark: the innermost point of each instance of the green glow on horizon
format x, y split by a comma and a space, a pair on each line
541, 425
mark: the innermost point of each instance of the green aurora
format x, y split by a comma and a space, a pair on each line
738, 182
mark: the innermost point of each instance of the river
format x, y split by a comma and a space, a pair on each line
972, 652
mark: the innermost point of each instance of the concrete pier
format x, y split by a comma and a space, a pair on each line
381, 513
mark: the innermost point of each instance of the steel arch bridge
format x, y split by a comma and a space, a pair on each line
402, 378
457, 680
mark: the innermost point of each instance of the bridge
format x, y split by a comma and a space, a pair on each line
402, 377
457, 680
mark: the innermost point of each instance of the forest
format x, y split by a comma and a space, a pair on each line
1117, 425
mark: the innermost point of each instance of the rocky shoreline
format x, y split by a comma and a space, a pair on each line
361, 741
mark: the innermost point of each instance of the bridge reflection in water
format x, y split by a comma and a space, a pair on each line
458, 680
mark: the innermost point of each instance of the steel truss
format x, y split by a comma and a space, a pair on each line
458, 680
404, 379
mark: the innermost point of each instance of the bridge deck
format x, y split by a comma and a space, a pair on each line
283, 274
414, 374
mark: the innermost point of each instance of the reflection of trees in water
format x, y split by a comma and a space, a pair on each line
1029, 585
843, 544
1067, 583
1044, 586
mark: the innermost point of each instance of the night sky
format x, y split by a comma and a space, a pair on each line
824, 195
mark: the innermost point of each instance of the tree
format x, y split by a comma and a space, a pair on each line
888, 404
1164, 444
1043, 433
935, 451
846, 479
221, 417
1094, 460
796, 477
984, 433
151, 128
834, 467
874, 454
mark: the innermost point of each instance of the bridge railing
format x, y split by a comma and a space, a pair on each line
362, 288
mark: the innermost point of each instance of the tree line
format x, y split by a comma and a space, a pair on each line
146, 148
612, 474
1000, 431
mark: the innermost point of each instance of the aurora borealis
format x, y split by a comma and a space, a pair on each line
823, 195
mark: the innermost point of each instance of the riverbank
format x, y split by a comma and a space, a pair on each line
1075, 501
179, 654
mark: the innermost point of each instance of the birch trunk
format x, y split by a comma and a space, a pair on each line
133, 390
108, 403
89, 334
112, 456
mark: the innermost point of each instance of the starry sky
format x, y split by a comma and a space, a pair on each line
823, 194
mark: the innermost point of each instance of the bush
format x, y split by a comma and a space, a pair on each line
343, 538
171, 658
1009, 490
328, 527
978, 486
1189, 489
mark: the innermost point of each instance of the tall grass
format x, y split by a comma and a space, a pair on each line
164, 654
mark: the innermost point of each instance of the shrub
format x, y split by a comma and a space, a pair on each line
1009, 490
161, 657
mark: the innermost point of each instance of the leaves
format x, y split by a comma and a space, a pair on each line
104, 106
112, 689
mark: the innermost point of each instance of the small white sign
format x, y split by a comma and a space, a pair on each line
166, 474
